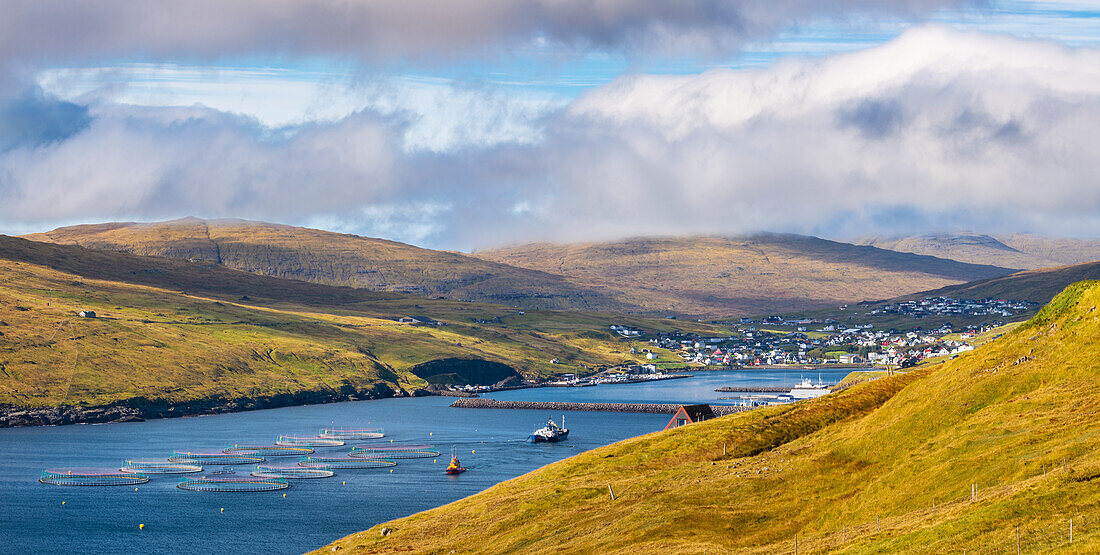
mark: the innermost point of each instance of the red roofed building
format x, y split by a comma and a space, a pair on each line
690, 414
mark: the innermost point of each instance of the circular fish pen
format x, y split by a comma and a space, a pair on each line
268, 450
91, 477
214, 458
350, 433
158, 467
290, 471
298, 441
331, 463
232, 484
395, 451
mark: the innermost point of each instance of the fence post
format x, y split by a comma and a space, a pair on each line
1071, 530
796, 543
973, 491
877, 527
844, 533
611, 491
1017, 539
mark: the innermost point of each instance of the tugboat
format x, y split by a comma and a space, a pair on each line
455, 467
551, 432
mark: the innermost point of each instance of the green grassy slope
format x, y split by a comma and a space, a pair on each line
886, 466
1014, 251
761, 274
177, 331
335, 259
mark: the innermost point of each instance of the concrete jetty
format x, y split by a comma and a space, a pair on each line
758, 389
648, 408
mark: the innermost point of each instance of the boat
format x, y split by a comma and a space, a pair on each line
808, 390
551, 432
455, 467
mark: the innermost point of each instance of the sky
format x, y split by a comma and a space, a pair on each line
472, 124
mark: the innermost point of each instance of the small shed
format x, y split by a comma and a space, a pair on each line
690, 414
87, 314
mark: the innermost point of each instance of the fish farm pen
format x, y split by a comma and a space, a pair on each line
91, 477
213, 458
351, 433
267, 450
159, 467
232, 484
300, 441
294, 471
395, 451
329, 463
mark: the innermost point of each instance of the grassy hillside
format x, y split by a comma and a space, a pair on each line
1038, 286
176, 331
335, 259
1013, 251
753, 275
692, 276
957, 456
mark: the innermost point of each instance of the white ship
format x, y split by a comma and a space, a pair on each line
808, 390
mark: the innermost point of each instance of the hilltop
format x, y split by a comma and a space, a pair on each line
1039, 286
989, 451
766, 273
173, 337
696, 276
335, 259
1014, 251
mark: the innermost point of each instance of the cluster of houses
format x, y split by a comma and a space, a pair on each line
857, 345
945, 306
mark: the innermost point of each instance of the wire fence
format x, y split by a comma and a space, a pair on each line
1025, 536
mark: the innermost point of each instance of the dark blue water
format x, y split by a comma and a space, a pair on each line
314, 512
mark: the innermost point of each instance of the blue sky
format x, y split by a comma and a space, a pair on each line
512, 121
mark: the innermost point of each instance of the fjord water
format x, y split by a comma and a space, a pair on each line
490, 443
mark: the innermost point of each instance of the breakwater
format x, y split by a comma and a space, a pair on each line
648, 408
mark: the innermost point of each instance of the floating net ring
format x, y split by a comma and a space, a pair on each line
214, 458
232, 484
350, 433
395, 451
267, 450
330, 463
91, 477
297, 441
158, 467
291, 471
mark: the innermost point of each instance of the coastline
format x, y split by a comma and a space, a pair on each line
140, 409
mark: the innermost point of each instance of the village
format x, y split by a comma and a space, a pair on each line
779, 341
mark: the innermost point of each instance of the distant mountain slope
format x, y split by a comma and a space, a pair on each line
994, 451
336, 259
1013, 251
750, 275
1038, 286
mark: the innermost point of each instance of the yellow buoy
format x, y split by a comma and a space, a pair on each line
284, 496
135, 489
344, 484
429, 433
141, 526
391, 470
435, 461
62, 502
223, 509
472, 451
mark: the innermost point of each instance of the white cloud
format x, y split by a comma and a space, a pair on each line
442, 115
936, 129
